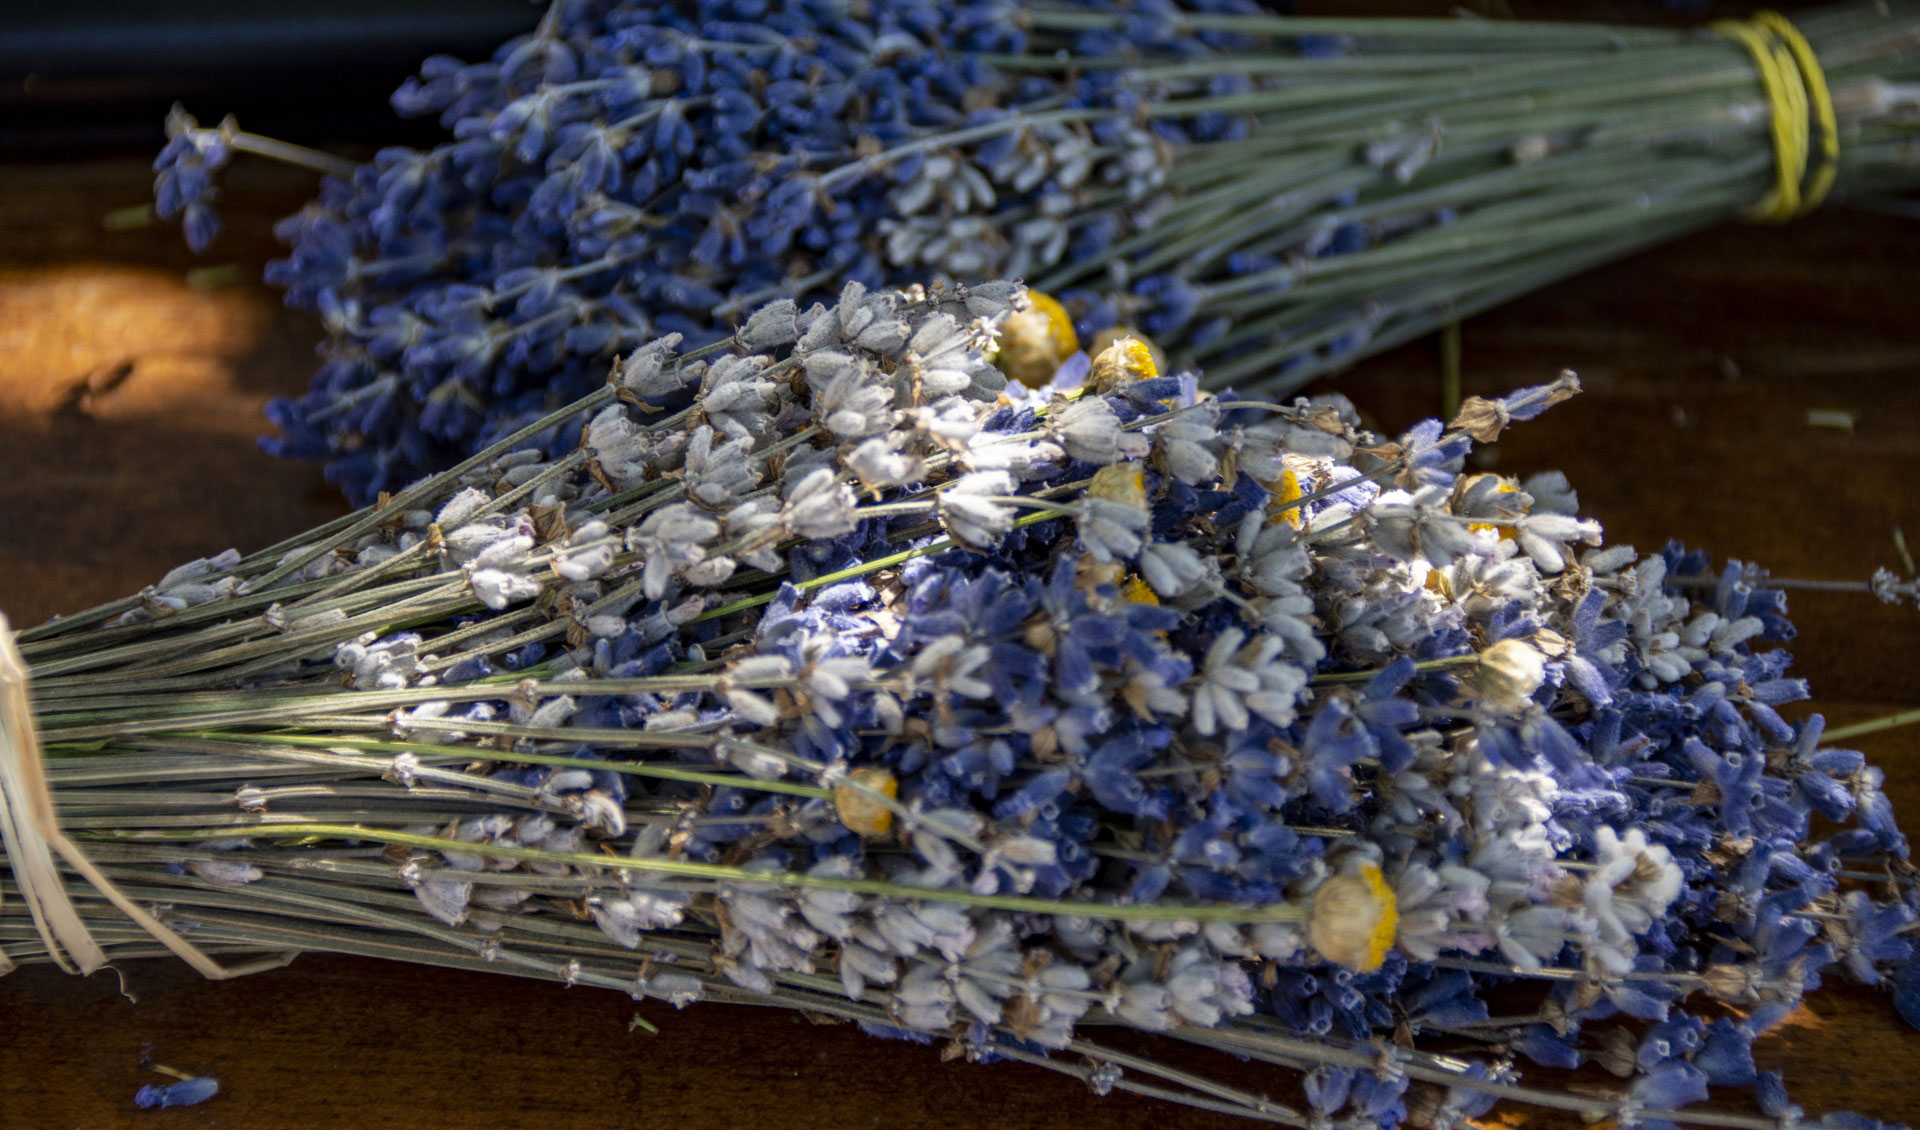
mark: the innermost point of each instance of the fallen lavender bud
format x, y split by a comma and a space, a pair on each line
186, 1092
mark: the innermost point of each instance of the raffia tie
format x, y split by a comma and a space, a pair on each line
30, 831
1799, 104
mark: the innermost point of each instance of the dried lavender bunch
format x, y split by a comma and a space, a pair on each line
830, 671
1269, 197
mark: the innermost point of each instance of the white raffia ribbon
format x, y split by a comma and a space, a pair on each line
31, 833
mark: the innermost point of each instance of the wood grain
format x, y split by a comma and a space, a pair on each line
128, 402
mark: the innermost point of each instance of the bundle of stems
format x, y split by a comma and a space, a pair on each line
1466, 162
830, 672
1267, 198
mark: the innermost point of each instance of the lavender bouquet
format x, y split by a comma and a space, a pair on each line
832, 671
1269, 198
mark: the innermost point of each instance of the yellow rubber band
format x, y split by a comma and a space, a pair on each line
1821, 97
1798, 100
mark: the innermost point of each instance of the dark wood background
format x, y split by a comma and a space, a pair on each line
130, 394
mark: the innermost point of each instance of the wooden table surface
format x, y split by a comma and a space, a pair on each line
129, 399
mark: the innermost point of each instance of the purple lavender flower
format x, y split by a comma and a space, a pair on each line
184, 175
186, 1092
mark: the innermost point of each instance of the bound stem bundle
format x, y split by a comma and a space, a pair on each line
830, 672
1267, 198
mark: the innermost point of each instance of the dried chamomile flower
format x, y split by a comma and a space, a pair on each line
1121, 361
855, 800
1035, 340
1508, 674
1354, 918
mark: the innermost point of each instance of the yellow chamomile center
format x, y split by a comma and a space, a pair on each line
1125, 361
1354, 918
1286, 489
857, 808
1034, 341
1058, 324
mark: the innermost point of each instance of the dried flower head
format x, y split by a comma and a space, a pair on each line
856, 800
1123, 361
1354, 917
1035, 341
1509, 672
